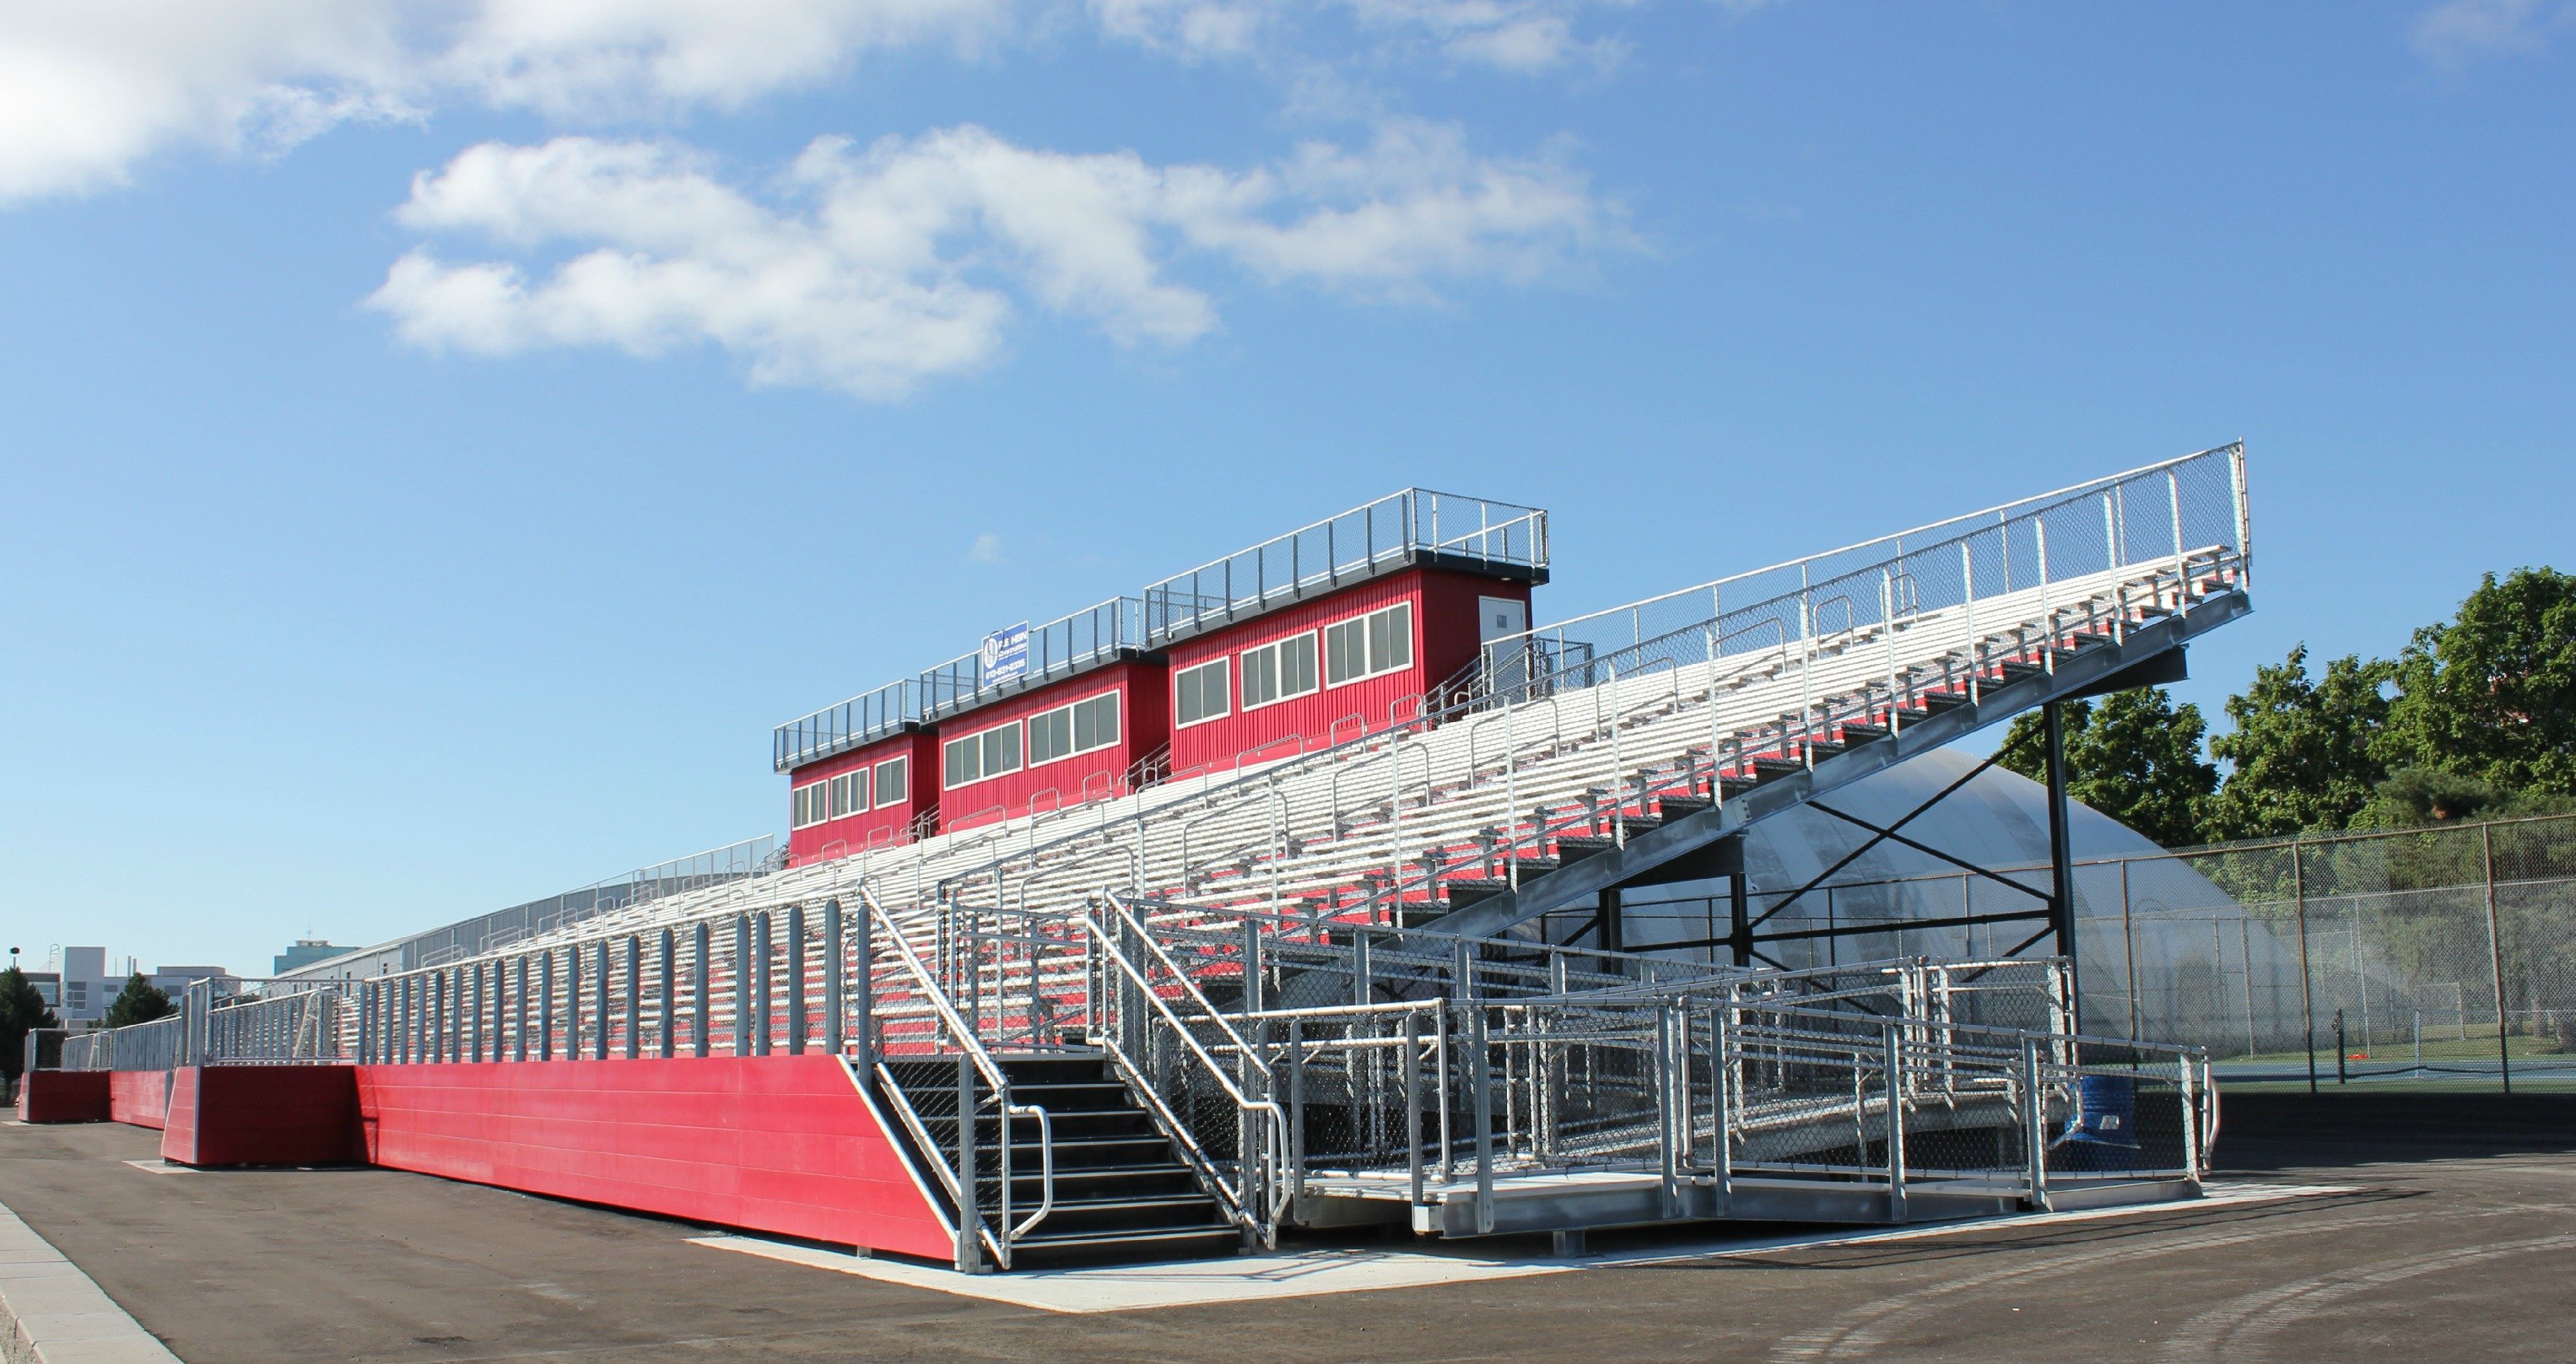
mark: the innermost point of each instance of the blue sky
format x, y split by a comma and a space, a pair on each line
442, 439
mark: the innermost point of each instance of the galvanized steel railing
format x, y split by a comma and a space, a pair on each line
1351, 546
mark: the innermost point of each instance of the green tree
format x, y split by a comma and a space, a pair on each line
2135, 757
141, 1002
21, 1011
2300, 755
2491, 694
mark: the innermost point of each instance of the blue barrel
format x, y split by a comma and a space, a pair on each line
2103, 1133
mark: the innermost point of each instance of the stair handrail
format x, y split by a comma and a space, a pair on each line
1265, 1217
1000, 1084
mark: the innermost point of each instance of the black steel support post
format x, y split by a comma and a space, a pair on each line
1739, 907
2061, 861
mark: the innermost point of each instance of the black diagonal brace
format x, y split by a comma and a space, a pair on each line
1928, 850
1879, 836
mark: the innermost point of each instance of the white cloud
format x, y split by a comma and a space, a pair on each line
987, 549
1511, 35
873, 269
2455, 33
90, 87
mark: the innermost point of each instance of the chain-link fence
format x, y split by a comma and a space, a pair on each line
2445, 954
2440, 953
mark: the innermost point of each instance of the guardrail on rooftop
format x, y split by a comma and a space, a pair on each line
1059, 648
1353, 546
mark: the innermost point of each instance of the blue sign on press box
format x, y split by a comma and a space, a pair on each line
1005, 655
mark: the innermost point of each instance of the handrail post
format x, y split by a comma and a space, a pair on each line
1296, 1110
2190, 1122
1721, 1068
796, 1019
1666, 1100
701, 1027
2034, 1126
970, 1218
864, 991
1481, 1082
1412, 1110
832, 993
667, 1042
1895, 1042
741, 985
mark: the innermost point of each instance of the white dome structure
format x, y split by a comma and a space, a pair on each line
2196, 948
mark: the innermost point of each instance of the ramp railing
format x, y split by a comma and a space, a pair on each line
1427, 1098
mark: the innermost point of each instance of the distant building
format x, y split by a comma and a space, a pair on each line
306, 952
174, 980
86, 988
49, 988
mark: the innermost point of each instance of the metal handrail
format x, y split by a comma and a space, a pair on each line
1265, 1220
2018, 508
973, 1048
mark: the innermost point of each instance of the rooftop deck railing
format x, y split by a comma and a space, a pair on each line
1353, 546
854, 723
1059, 648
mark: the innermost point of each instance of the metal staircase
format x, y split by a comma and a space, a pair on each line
1102, 1182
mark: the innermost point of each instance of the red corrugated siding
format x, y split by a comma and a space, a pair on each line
777, 1144
1444, 641
139, 1097
1144, 723
263, 1115
63, 1096
878, 827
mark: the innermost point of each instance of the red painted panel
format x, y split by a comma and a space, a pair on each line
778, 1144
880, 826
1444, 641
1144, 723
263, 1115
138, 1097
63, 1096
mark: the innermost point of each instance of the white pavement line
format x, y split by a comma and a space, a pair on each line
2219, 1196
1252, 1278
51, 1313
1186, 1283
162, 1167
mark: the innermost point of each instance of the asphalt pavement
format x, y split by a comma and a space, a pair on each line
2463, 1257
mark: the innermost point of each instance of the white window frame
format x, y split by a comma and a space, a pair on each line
1323, 662
853, 786
901, 763
1313, 640
798, 799
1226, 662
1019, 755
1030, 762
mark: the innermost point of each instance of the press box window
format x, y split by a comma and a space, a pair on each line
810, 804
978, 757
850, 793
1200, 693
1275, 672
894, 781
1364, 646
1078, 728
